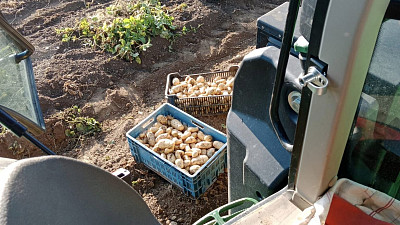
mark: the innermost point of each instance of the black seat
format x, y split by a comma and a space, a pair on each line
60, 190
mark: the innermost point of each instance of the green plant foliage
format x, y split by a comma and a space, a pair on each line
125, 29
3, 130
78, 125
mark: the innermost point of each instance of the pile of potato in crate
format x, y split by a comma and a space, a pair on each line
186, 147
199, 87
179, 147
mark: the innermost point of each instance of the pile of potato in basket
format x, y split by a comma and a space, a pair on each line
186, 147
199, 87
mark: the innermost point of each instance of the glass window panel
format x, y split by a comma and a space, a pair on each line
372, 155
15, 83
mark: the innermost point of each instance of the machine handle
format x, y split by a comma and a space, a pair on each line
280, 74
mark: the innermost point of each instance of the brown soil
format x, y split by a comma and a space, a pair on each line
120, 94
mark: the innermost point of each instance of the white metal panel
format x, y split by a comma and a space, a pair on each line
347, 44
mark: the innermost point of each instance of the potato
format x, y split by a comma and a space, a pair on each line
142, 135
217, 144
153, 129
151, 138
186, 170
169, 117
210, 152
229, 83
202, 90
192, 145
200, 135
175, 81
221, 81
147, 145
200, 79
204, 144
179, 154
210, 91
186, 157
222, 86
194, 134
184, 84
193, 169
190, 140
178, 141
163, 155
196, 152
165, 143
155, 148
185, 135
192, 129
176, 147
182, 146
177, 125
163, 136
171, 158
192, 81
162, 119
174, 133
157, 125
203, 152
168, 130
159, 131
187, 163
187, 148
164, 128
200, 160
225, 93
169, 150
208, 138
175, 89
179, 163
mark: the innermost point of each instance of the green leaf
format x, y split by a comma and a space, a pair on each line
138, 60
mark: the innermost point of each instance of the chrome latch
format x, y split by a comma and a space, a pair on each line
314, 80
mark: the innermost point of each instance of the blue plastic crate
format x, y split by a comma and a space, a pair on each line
195, 184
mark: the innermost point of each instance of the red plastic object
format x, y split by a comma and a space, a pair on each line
342, 212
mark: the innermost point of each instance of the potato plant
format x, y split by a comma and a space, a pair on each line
187, 148
199, 87
124, 29
78, 125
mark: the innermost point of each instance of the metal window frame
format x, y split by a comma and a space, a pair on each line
24, 44
27, 49
350, 31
